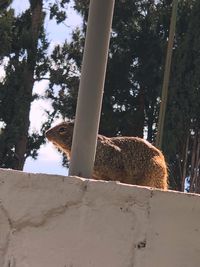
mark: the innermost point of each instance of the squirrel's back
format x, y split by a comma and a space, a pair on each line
132, 160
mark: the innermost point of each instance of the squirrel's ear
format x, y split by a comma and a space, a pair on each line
69, 121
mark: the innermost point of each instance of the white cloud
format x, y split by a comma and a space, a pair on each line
40, 87
60, 32
37, 113
2, 73
49, 161
49, 153
4, 62
20, 5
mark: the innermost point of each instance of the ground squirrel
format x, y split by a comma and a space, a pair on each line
130, 160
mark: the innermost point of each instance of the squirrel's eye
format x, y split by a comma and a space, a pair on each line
62, 130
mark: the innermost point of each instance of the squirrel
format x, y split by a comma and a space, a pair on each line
130, 160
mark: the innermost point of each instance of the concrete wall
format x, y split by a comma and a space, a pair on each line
53, 221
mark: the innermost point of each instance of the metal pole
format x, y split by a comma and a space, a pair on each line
165, 86
91, 87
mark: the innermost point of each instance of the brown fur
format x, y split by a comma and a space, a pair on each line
130, 160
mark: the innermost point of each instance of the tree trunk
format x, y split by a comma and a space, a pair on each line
197, 166
185, 164
28, 83
141, 117
195, 163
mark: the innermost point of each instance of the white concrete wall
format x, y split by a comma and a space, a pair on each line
53, 221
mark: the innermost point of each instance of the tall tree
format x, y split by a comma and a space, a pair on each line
16, 89
6, 21
181, 137
27, 62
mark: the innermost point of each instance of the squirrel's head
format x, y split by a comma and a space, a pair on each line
61, 136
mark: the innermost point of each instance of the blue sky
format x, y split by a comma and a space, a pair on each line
49, 159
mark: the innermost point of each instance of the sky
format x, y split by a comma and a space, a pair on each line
49, 159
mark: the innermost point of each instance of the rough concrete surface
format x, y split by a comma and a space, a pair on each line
56, 221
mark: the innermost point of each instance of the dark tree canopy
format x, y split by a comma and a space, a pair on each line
183, 114
23, 51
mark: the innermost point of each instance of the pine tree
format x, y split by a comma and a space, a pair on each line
25, 49
181, 139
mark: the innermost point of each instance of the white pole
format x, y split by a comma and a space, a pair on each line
91, 87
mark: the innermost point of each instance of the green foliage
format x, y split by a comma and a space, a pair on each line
6, 21
16, 91
134, 67
4, 4
57, 10
23, 47
183, 114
